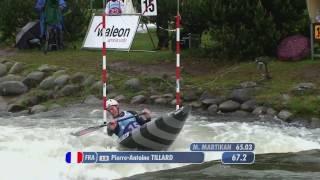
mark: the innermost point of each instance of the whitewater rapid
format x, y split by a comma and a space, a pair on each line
35, 147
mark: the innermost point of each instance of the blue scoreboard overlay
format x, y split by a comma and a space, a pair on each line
135, 157
238, 157
222, 147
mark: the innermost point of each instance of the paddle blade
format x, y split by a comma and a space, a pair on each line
88, 130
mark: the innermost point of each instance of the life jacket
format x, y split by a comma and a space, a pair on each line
128, 124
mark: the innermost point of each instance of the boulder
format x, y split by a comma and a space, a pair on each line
210, 101
285, 115
248, 84
120, 98
47, 68
3, 70
213, 109
69, 90
11, 77
249, 105
38, 109
78, 78
33, 79
133, 84
62, 80
138, 99
15, 108
241, 95
16, 68
161, 101
48, 83
259, 110
91, 99
88, 81
9, 88
229, 106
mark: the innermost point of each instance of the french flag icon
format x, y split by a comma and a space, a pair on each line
74, 157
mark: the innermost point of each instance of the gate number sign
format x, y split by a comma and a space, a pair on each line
316, 32
149, 7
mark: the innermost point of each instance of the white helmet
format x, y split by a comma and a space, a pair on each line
112, 102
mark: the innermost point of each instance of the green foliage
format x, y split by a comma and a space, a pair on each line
14, 15
77, 19
241, 30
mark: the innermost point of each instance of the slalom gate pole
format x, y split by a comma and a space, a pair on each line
104, 67
178, 98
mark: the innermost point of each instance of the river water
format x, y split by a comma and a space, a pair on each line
34, 147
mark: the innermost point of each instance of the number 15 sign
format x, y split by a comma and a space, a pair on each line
149, 7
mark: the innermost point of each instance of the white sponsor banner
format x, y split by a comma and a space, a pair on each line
149, 7
120, 31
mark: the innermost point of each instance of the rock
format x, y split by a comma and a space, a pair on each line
88, 81
133, 84
285, 115
240, 113
59, 73
248, 84
9, 64
15, 108
229, 106
285, 98
241, 95
271, 111
38, 109
91, 99
138, 99
3, 70
9, 88
213, 109
69, 90
33, 79
190, 95
96, 88
62, 80
3, 104
315, 123
173, 102
161, 101
16, 68
216, 100
195, 104
29, 100
11, 77
154, 97
206, 95
300, 122
259, 110
249, 105
112, 95
120, 98
109, 88
54, 106
47, 83
303, 88
47, 68
78, 78
168, 96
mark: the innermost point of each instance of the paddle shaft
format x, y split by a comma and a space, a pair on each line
95, 128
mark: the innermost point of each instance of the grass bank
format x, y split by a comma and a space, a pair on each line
197, 73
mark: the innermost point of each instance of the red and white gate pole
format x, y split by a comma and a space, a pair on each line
104, 67
178, 97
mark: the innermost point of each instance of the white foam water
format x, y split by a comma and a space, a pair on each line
38, 152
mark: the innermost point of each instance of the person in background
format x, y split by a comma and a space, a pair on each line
121, 127
114, 7
42, 8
